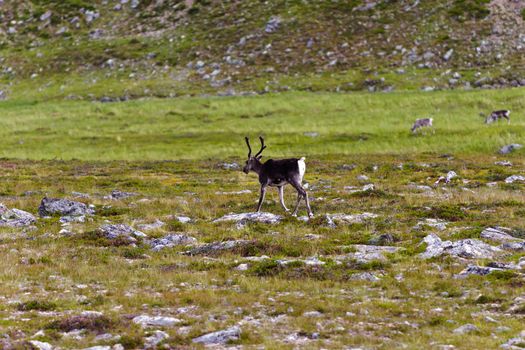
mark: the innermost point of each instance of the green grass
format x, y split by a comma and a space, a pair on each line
169, 153
201, 128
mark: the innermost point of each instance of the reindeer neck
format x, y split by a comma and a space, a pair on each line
257, 166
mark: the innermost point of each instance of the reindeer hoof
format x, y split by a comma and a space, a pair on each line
311, 215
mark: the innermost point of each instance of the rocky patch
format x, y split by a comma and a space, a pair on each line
63, 207
15, 217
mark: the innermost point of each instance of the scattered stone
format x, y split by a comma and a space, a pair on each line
273, 24
230, 166
121, 231
39, 345
365, 276
234, 192
466, 328
312, 314
117, 194
510, 148
171, 240
63, 207
499, 234
465, 248
220, 337
15, 217
450, 175
156, 321
438, 224
311, 134
514, 343
217, 247
476, 270
346, 219
448, 55
503, 163
244, 218
514, 246
514, 178
155, 338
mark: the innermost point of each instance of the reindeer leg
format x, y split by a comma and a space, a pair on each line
281, 198
301, 193
261, 197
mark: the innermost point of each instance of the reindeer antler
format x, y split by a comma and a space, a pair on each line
262, 146
249, 147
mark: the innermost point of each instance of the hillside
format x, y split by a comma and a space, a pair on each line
124, 49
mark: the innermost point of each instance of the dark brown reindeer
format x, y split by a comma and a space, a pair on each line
278, 173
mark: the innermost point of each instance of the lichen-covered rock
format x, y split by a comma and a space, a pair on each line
117, 195
171, 240
510, 148
465, 248
499, 234
347, 219
218, 247
121, 231
15, 217
477, 270
156, 321
220, 337
242, 218
63, 207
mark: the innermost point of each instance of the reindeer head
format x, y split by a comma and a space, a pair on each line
253, 163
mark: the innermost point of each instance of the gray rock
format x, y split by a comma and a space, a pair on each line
477, 270
117, 194
220, 337
273, 24
510, 148
348, 219
437, 224
365, 276
40, 345
155, 338
114, 231
171, 240
217, 247
466, 248
514, 178
243, 218
230, 166
466, 328
448, 55
503, 163
156, 321
514, 246
63, 207
15, 217
514, 343
499, 234
46, 15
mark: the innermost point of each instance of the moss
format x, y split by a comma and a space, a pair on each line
36, 305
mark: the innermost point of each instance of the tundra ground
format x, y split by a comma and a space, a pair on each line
291, 284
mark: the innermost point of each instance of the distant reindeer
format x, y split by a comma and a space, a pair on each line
421, 123
278, 173
496, 116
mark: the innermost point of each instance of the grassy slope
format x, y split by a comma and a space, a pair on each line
197, 128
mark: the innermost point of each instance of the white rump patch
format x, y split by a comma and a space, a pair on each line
302, 167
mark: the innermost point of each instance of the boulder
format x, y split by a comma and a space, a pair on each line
220, 337
243, 218
218, 247
477, 270
347, 219
114, 231
366, 253
156, 321
171, 240
15, 217
465, 248
466, 328
63, 207
499, 234
514, 178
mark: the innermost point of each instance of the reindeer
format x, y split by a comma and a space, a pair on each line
278, 173
420, 123
497, 115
